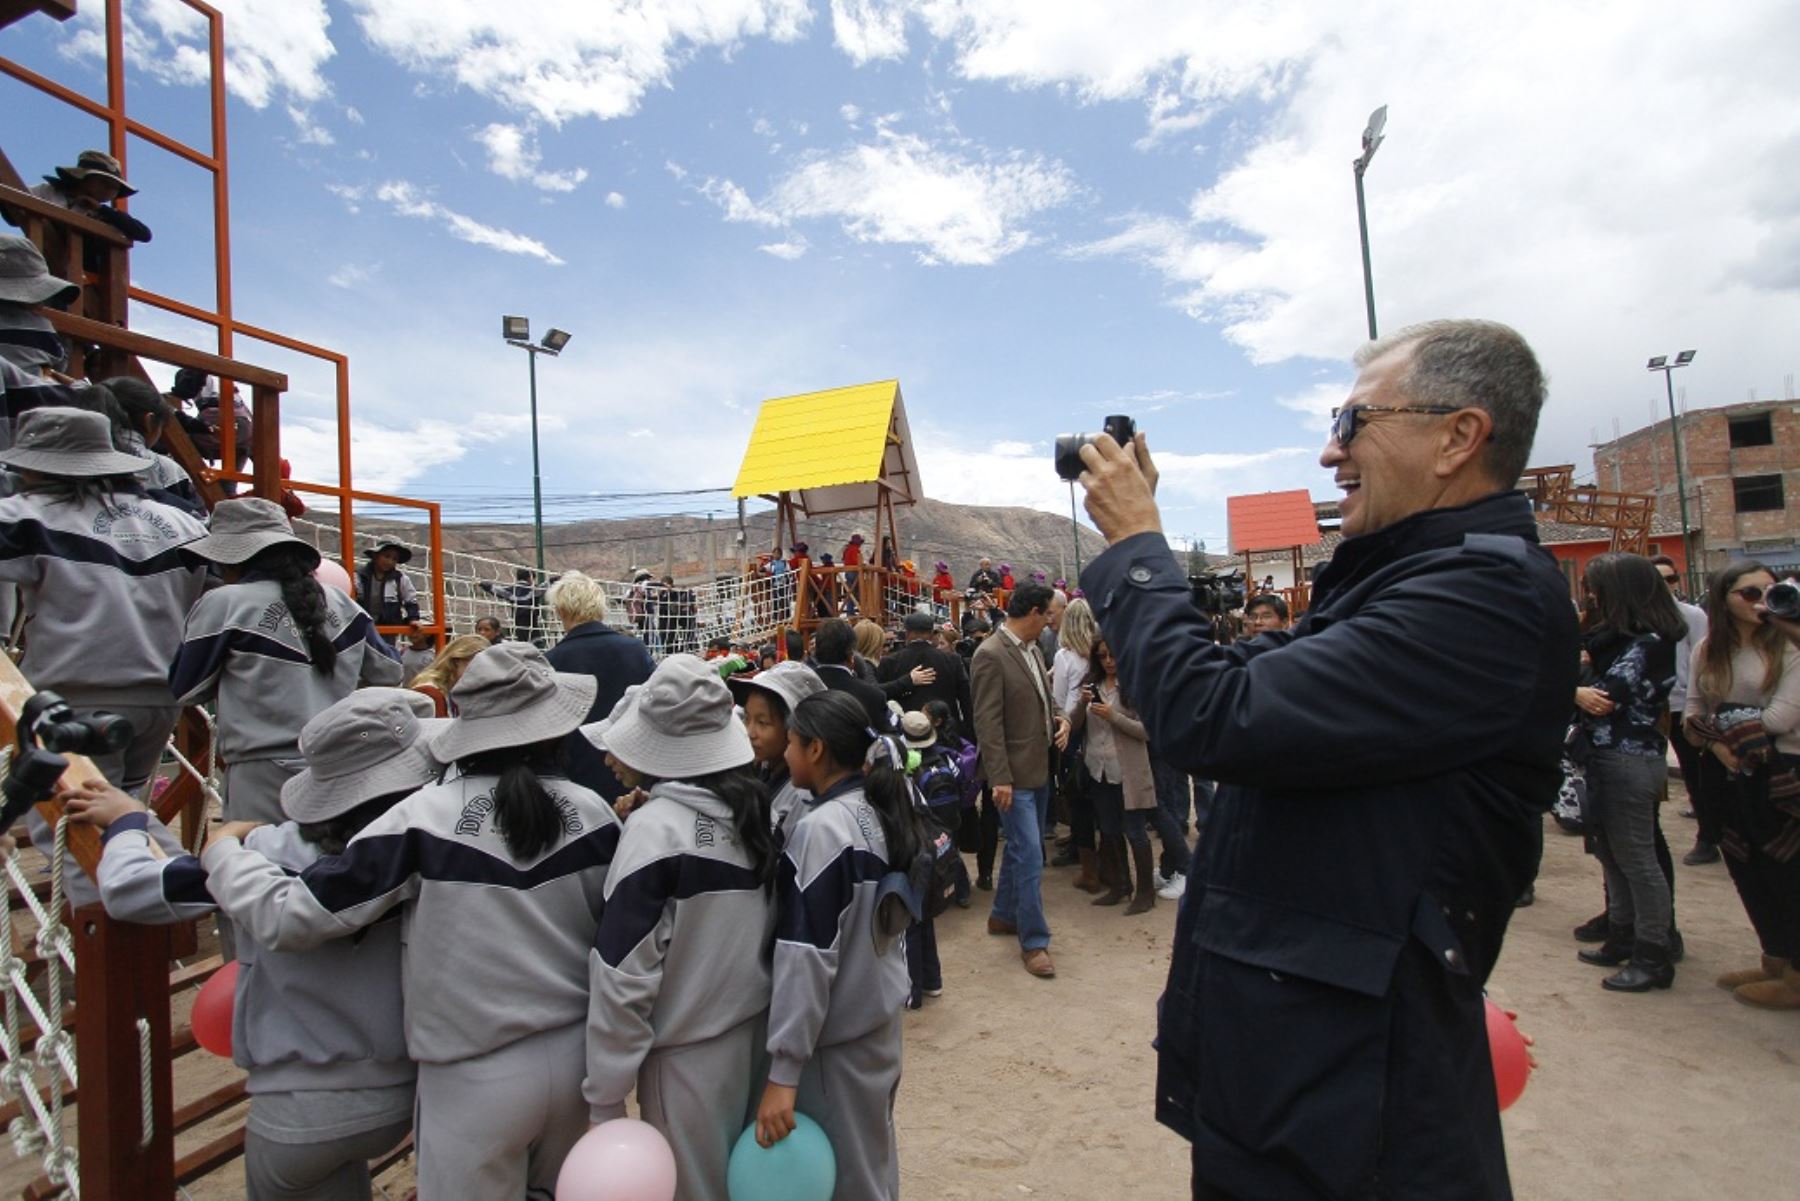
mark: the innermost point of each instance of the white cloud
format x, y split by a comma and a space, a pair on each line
762, 128
352, 276
869, 29
409, 201
674, 168
272, 47
351, 194
737, 203
850, 113
1316, 402
310, 132
387, 457
789, 249
572, 58
513, 154
353, 114
615, 200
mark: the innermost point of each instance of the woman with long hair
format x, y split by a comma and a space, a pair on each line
1630, 640
1068, 671
499, 869
274, 646
1743, 711
438, 679
680, 970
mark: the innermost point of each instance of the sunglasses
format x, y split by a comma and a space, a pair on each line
1669, 577
1749, 592
1346, 421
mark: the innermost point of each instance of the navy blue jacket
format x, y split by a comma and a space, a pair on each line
1385, 768
617, 661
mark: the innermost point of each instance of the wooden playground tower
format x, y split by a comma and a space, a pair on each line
126, 1139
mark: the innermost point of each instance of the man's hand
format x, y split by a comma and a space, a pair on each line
97, 803
1593, 701
775, 1116
1121, 488
1061, 735
922, 676
1002, 797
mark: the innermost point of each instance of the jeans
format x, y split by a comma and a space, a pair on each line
1626, 790
1108, 802
1175, 799
1018, 897
1175, 854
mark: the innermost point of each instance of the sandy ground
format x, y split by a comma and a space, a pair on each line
1018, 1087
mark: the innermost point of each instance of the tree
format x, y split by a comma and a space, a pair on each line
1196, 564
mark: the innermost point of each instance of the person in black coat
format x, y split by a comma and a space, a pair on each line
834, 652
592, 647
1384, 768
921, 650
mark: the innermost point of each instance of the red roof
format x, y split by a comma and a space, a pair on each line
1271, 521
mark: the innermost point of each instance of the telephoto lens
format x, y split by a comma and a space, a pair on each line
1783, 600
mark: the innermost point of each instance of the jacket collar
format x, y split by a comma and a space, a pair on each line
589, 629
1432, 529
691, 796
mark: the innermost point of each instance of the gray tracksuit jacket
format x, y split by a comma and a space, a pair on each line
833, 983
105, 589
241, 647
682, 953
785, 807
328, 1018
495, 949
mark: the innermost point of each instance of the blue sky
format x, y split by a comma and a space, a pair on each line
1032, 214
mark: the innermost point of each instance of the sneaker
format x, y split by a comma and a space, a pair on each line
1704, 852
1160, 881
1173, 887
935, 992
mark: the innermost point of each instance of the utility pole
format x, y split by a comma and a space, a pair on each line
1661, 363
1371, 142
517, 332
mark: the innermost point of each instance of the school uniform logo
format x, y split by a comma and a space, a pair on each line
479, 811
106, 524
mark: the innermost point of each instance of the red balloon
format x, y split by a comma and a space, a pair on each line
330, 571
1512, 1062
211, 1017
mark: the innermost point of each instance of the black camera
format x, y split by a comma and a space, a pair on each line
49, 729
1215, 594
1118, 427
1783, 600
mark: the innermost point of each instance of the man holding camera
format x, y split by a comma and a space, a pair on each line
1384, 767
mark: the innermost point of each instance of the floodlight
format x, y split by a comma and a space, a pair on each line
555, 340
1659, 362
1372, 134
1684, 358
515, 329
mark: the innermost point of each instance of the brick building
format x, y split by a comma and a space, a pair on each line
1743, 479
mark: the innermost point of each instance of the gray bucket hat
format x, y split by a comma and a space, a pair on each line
678, 724
792, 681
96, 163
370, 744
68, 442
596, 731
917, 730
510, 696
242, 527
25, 277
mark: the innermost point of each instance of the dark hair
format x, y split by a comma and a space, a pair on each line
1097, 674
292, 566
838, 720
941, 717
1631, 598
721, 643
333, 834
834, 641
748, 797
1662, 560
138, 401
524, 814
488, 620
102, 490
1714, 679
1267, 600
796, 646
1028, 598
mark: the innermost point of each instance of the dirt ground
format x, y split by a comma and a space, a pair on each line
1018, 1087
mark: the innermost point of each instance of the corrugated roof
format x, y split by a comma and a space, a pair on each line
1271, 521
831, 448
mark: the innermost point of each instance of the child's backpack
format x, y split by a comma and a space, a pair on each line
940, 778
968, 765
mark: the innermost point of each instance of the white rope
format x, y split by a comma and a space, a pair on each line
147, 1109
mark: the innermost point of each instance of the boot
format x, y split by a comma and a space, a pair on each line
1649, 968
1614, 951
1783, 993
1112, 871
1067, 854
1592, 930
1089, 878
1771, 969
1144, 900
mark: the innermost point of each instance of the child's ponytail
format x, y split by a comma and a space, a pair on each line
889, 793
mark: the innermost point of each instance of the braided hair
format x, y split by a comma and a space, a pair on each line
291, 566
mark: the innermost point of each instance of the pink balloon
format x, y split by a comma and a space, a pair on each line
620, 1160
211, 1015
1512, 1062
330, 571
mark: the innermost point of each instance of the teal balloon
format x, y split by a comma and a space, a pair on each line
801, 1167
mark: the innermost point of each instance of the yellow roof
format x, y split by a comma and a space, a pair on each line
824, 440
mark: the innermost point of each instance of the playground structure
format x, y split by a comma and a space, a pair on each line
1272, 522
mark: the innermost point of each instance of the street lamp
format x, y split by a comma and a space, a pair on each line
1661, 363
1371, 142
517, 332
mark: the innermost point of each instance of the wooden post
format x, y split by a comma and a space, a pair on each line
122, 974
265, 439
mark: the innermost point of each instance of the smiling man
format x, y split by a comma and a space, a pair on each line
1384, 768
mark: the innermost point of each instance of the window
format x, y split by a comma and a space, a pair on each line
1755, 430
1758, 493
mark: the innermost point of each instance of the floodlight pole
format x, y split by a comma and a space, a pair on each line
1371, 141
1687, 548
537, 486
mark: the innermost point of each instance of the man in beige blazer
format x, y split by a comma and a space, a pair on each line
1016, 723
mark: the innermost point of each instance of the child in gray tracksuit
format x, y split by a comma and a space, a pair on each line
680, 968
320, 1031
500, 872
839, 980
275, 646
768, 698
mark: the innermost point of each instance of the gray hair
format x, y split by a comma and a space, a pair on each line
577, 598
1474, 364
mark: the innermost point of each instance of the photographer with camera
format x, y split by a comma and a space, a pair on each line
1384, 767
